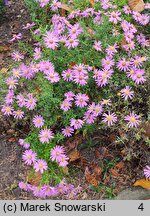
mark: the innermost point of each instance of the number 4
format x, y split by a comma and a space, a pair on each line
141, 207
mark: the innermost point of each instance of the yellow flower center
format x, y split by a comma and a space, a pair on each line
30, 102
132, 72
105, 101
112, 48
132, 119
16, 72
18, 113
12, 82
104, 76
109, 118
40, 165
7, 109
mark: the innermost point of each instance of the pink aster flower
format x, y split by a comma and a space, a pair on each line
147, 172
127, 10
133, 119
7, 110
123, 64
30, 103
40, 165
51, 40
91, 108
98, 19
138, 77
16, 72
109, 118
29, 157
16, 56
144, 19
28, 25
47, 67
101, 77
64, 161
9, 97
21, 142
27, 72
26, 145
24, 186
80, 69
111, 50
55, 5
43, 3
69, 96
136, 62
72, 42
127, 93
98, 109
67, 75
108, 62
56, 153
46, 135
38, 192
97, 45
81, 100
37, 53
129, 47
21, 101
76, 123
141, 38
49, 191
80, 78
115, 17
19, 114
53, 77
147, 6
106, 102
11, 82
68, 131
89, 118
16, 37
38, 121
129, 36
66, 105
75, 30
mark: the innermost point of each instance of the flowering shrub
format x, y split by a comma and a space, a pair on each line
87, 71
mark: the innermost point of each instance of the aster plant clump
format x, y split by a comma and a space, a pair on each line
87, 67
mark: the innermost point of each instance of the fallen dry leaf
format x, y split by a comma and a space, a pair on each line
114, 172
120, 165
34, 179
73, 143
136, 5
4, 48
91, 32
92, 2
12, 139
65, 170
91, 179
65, 7
74, 155
143, 183
97, 170
3, 70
